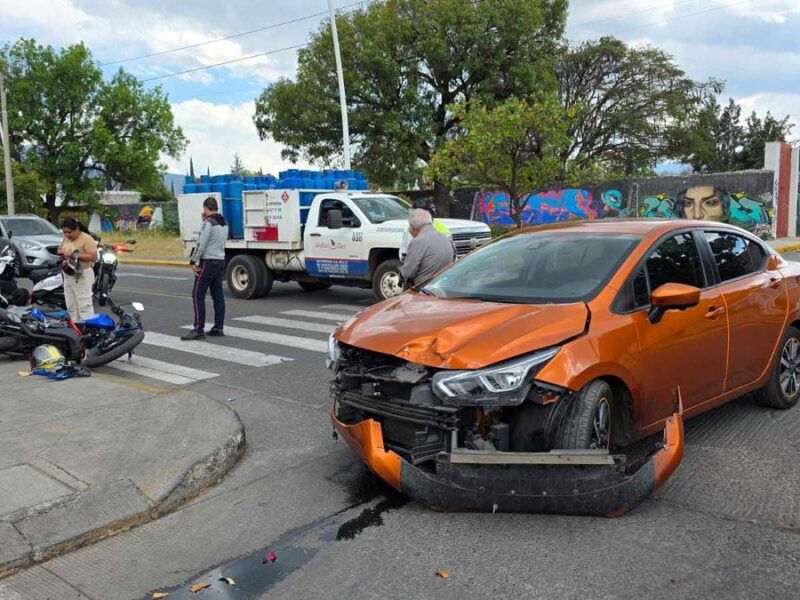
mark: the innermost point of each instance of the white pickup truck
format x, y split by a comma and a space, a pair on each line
317, 239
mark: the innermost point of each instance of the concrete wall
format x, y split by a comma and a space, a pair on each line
745, 199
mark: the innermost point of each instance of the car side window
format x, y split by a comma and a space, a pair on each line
735, 255
348, 218
676, 260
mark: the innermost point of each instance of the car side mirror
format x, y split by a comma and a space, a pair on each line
773, 262
334, 219
672, 296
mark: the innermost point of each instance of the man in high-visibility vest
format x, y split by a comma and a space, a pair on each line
437, 225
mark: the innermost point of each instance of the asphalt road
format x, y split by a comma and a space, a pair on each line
726, 525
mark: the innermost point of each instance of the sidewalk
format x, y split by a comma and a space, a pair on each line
84, 458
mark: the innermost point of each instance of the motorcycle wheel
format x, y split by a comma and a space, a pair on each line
124, 344
103, 287
8, 343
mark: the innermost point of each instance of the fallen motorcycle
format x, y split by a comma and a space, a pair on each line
48, 288
95, 342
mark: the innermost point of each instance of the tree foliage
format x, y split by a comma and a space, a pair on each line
629, 104
717, 141
237, 166
405, 62
29, 188
80, 133
515, 146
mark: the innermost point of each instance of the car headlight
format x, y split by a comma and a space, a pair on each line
505, 384
334, 353
30, 247
109, 258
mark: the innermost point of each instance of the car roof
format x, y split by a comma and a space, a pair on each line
641, 227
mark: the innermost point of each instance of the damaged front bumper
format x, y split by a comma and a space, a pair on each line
564, 482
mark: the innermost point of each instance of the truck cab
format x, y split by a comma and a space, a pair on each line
319, 239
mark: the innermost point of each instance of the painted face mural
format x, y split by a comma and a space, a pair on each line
702, 202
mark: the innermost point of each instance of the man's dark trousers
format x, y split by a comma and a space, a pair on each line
210, 277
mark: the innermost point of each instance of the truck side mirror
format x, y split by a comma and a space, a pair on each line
334, 219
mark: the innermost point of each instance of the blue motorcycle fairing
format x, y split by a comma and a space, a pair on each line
100, 322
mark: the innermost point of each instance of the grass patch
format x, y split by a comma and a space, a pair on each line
148, 244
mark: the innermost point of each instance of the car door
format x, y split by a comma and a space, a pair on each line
755, 300
687, 348
336, 253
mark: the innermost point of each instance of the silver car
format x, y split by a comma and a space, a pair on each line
35, 239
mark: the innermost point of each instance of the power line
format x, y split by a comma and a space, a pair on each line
227, 62
694, 14
636, 12
229, 37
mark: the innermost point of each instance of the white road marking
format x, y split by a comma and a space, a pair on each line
213, 351
146, 276
317, 315
288, 323
267, 337
163, 371
349, 307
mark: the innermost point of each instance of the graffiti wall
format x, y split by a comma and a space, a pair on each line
744, 199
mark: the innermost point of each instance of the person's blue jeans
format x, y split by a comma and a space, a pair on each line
210, 277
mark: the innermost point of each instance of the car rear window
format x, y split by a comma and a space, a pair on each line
536, 268
734, 255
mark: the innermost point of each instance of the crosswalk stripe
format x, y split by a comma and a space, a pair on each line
349, 307
213, 351
268, 337
287, 323
317, 315
163, 371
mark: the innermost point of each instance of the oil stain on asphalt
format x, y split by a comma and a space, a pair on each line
256, 573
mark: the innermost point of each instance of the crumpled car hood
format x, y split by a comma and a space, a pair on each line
461, 334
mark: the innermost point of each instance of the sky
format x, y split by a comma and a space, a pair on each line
750, 44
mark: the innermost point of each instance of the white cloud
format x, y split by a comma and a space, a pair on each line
216, 132
778, 104
59, 20
770, 11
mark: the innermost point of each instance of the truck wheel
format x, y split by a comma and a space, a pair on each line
387, 281
783, 388
248, 277
313, 286
587, 422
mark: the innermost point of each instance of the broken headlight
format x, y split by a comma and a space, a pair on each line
334, 354
505, 384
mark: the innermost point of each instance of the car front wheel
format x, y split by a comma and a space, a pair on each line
783, 388
587, 422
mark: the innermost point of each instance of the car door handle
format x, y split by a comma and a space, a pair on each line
775, 282
714, 313
315, 235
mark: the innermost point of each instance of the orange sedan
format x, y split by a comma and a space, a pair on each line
532, 374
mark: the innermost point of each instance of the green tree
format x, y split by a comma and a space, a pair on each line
237, 167
79, 133
516, 146
405, 62
628, 102
29, 187
717, 141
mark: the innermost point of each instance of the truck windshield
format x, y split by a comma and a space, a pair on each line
26, 227
536, 268
382, 208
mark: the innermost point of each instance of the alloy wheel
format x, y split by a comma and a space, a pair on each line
601, 426
789, 373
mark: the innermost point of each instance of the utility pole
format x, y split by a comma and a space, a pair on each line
6, 149
342, 95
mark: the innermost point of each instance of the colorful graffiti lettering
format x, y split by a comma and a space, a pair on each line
119, 223
703, 202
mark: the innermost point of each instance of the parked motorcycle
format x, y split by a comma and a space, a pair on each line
105, 269
48, 288
94, 342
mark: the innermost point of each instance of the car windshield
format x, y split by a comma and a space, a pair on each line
27, 227
537, 268
383, 208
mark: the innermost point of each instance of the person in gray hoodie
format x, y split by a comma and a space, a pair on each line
208, 263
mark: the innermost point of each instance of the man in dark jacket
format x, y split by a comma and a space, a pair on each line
208, 263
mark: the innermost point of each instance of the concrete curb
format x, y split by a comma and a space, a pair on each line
154, 262
32, 536
787, 248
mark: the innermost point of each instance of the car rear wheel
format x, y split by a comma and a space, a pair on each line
587, 422
783, 388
